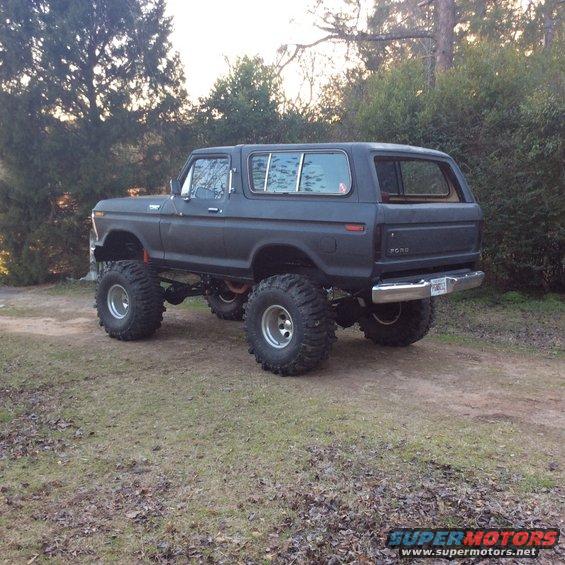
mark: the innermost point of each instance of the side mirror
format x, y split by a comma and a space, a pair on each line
176, 188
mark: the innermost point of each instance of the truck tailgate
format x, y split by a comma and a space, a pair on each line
423, 235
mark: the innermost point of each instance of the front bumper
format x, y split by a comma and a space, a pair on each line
404, 291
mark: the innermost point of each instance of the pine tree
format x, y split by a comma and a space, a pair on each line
90, 97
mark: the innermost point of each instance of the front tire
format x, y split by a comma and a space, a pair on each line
398, 324
129, 301
289, 324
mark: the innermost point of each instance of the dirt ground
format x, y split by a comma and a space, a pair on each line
459, 429
452, 378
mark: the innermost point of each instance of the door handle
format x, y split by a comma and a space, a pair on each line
214, 210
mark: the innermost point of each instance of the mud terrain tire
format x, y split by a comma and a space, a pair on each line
289, 324
227, 305
399, 324
129, 300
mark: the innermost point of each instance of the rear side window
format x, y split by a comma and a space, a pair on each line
259, 171
307, 172
283, 172
326, 173
388, 177
416, 180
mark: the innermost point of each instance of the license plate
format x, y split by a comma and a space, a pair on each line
438, 286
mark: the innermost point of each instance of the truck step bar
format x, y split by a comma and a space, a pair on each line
404, 291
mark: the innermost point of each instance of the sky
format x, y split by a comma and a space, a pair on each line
208, 31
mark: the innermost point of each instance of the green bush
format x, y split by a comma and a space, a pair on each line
513, 297
553, 297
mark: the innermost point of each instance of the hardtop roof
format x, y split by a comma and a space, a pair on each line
367, 145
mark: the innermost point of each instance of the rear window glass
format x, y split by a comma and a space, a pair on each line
415, 180
301, 172
422, 178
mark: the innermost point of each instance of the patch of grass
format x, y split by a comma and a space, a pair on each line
512, 320
17, 311
70, 288
192, 303
511, 300
480, 344
29, 310
228, 444
48, 366
538, 482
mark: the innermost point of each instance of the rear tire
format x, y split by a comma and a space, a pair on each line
227, 305
398, 324
289, 324
129, 301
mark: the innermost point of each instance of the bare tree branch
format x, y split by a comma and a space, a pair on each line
359, 36
299, 48
336, 34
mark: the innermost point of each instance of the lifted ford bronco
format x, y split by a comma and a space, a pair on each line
292, 239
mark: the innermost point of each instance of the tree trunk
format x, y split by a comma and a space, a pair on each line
548, 23
445, 34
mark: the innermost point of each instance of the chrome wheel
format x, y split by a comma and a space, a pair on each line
227, 297
277, 326
118, 301
387, 314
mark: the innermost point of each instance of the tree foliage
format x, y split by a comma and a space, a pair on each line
89, 93
248, 106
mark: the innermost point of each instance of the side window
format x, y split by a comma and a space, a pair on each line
326, 173
306, 173
207, 178
388, 179
423, 178
283, 171
258, 171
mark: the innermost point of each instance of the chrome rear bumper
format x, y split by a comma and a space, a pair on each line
403, 291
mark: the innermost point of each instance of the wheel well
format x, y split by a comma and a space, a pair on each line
278, 259
119, 245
